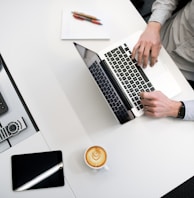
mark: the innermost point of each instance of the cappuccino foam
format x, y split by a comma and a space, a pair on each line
96, 156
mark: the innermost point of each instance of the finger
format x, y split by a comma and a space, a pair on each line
146, 55
148, 95
134, 51
150, 114
151, 111
140, 54
154, 55
141, 95
148, 103
153, 61
145, 95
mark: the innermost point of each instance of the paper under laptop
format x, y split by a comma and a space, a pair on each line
121, 80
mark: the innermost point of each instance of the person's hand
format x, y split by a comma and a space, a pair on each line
156, 104
148, 46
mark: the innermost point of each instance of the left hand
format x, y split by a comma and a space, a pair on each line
148, 46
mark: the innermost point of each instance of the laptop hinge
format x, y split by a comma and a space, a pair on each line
115, 84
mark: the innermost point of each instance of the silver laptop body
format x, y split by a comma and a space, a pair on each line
121, 79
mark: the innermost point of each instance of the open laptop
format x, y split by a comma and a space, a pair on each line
121, 79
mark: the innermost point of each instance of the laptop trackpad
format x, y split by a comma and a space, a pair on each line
162, 80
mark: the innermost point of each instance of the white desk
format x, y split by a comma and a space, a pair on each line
147, 157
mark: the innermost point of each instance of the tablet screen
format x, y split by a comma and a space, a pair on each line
37, 170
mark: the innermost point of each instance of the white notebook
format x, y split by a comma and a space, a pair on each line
80, 29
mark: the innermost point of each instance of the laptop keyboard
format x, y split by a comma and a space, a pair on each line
131, 76
110, 93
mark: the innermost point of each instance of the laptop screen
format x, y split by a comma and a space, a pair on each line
87, 55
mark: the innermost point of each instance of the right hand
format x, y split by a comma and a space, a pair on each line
149, 45
158, 105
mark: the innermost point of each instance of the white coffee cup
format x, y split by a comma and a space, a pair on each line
96, 157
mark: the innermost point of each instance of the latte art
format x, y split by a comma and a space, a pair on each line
96, 156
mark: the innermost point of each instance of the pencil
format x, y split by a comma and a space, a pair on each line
85, 15
87, 19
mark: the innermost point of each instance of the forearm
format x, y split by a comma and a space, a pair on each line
162, 10
154, 27
174, 108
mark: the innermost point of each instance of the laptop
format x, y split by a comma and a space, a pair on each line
120, 79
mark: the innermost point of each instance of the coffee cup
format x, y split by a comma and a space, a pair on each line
96, 157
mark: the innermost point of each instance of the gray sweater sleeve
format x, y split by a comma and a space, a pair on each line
162, 10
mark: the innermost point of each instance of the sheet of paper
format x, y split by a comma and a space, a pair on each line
80, 29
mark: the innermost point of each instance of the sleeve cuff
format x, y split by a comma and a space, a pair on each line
160, 16
189, 110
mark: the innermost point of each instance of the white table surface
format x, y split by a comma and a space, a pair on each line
146, 157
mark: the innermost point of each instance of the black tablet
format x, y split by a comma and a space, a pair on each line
184, 190
37, 170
